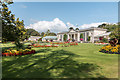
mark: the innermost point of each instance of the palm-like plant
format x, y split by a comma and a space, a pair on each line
70, 28
77, 29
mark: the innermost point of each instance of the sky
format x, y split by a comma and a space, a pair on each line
59, 16
66, 0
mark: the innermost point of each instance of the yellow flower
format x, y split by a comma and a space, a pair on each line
5, 8
110, 48
9, 12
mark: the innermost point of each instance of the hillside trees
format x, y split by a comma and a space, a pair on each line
32, 32
49, 33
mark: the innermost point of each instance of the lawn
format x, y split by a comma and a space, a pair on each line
82, 61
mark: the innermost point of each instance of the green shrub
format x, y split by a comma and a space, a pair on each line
104, 40
88, 38
65, 37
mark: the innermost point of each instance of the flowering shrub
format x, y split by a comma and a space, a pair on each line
113, 42
58, 43
44, 45
100, 38
81, 39
101, 43
110, 49
14, 52
74, 44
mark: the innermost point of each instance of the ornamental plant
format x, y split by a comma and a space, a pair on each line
65, 37
81, 37
14, 52
110, 49
100, 38
88, 38
113, 42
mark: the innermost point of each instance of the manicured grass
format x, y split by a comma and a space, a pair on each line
82, 61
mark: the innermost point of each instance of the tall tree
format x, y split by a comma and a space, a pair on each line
113, 28
12, 30
48, 31
42, 34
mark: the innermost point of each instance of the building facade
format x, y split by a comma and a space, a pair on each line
93, 33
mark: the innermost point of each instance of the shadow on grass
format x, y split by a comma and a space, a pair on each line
43, 50
7, 47
57, 64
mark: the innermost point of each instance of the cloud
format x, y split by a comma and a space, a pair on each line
91, 25
54, 26
57, 25
23, 6
70, 25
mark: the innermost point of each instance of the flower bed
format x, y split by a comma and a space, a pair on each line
10, 52
73, 44
101, 43
45, 45
110, 49
58, 43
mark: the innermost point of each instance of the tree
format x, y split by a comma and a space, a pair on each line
12, 30
65, 37
15, 29
81, 36
48, 31
32, 32
102, 25
88, 38
42, 34
52, 34
113, 28
115, 33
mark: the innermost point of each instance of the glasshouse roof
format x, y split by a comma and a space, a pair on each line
50, 37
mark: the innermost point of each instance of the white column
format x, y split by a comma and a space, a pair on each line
71, 36
58, 37
62, 37
68, 36
78, 39
90, 36
85, 37
93, 37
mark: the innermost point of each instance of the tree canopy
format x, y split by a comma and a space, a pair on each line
12, 29
81, 35
32, 32
113, 28
65, 37
49, 33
